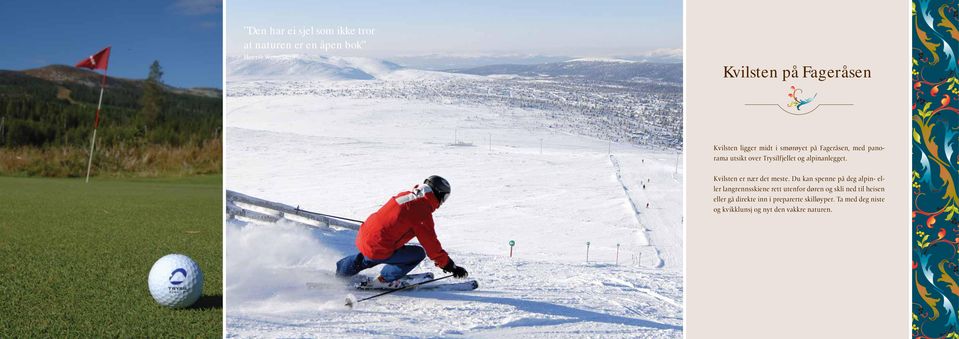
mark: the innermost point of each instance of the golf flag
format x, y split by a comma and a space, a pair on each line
96, 61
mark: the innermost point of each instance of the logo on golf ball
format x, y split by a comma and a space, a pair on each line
178, 279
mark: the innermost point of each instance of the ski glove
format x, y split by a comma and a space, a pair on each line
458, 272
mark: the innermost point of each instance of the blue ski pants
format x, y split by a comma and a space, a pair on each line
398, 265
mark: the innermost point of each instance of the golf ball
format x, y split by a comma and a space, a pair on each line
175, 281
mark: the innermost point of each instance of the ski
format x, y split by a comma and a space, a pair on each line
468, 285
366, 283
351, 299
456, 286
357, 282
419, 282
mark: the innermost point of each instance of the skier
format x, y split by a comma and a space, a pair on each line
383, 236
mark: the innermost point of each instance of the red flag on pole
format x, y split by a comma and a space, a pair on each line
96, 61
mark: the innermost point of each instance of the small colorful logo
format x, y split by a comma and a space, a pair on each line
177, 279
796, 101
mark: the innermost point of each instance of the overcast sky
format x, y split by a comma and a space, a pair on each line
573, 28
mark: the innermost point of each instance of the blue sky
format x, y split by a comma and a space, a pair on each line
184, 35
573, 28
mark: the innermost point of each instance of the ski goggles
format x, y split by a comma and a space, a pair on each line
443, 197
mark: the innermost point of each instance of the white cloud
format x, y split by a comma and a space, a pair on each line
199, 7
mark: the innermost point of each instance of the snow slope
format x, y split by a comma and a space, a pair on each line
322, 68
347, 156
599, 59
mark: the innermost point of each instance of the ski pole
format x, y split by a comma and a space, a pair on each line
350, 299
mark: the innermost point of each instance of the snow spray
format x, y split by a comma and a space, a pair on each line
261, 274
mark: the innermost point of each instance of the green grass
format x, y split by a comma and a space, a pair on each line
74, 257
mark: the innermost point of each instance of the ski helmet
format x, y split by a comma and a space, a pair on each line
439, 186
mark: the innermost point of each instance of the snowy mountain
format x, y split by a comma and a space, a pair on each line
453, 61
589, 59
612, 99
299, 67
605, 69
663, 55
441, 61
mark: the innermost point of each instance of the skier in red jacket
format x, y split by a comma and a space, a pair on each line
382, 238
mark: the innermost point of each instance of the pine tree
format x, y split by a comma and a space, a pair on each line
152, 102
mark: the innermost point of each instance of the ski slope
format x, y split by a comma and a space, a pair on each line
512, 178
325, 68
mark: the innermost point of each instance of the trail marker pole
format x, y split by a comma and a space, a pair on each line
587, 252
511, 243
617, 254
491, 142
541, 146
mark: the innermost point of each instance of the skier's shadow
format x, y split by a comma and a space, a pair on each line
549, 309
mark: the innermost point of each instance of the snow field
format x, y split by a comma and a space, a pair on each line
347, 156
269, 265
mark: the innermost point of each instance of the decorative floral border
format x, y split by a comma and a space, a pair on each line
935, 136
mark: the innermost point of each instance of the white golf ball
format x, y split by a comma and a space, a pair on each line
176, 281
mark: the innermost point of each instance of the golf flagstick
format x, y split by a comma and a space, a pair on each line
96, 123
100, 60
